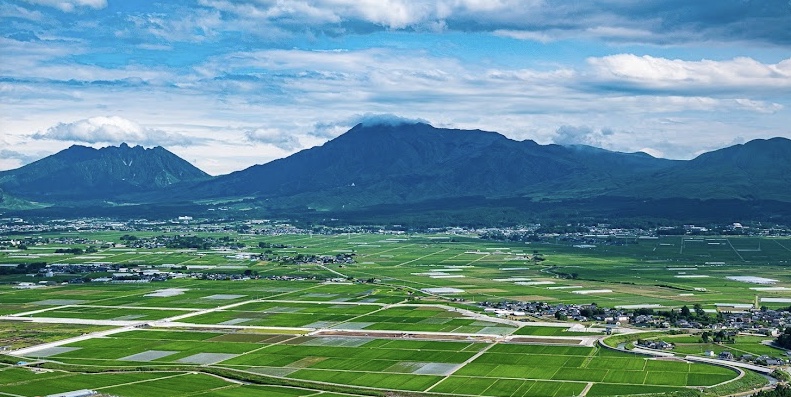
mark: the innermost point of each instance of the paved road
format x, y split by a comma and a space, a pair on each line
756, 368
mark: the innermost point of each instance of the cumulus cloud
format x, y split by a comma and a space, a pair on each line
70, 5
581, 135
112, 130
275, 137
676, 75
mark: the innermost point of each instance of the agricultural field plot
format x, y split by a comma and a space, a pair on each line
152, 347
394, 296
575, 366
429, 319
17, 335
666, 272
552, 331
486, 270
287, 314
26, 383
401, 364
347, 292
109, 313
385, 363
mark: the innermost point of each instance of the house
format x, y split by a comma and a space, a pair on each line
726, 355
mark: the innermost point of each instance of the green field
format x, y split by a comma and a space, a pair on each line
375, 326
413, 365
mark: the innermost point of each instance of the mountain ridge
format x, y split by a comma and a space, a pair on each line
417, 167
84, 173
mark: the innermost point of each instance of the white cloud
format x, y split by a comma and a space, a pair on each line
307, 97
582, 135
191, 25
652, 152
112, 130
15, 11
70, 5
390, 14
275, 137
542, 36
659, 73
759, 106
389, 119
607, 33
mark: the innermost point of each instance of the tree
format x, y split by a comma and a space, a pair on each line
705, 336
685, 312
561, 316
784, 340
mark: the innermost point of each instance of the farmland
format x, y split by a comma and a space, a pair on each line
402, 314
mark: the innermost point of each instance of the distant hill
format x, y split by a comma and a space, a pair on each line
382, 164
413, 171
82, 173
757, 170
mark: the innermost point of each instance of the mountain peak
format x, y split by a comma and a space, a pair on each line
106, 173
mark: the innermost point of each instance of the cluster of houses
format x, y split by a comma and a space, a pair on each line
572, 312
764, 360
760, 322
655, 344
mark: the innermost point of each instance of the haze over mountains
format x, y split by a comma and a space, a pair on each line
413, 168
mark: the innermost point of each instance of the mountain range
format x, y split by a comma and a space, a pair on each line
384, 171
84, 174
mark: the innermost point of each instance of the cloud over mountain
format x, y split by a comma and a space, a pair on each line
111, 129
275, 137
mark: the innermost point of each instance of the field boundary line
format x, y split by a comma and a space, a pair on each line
419, 258
327, 302
589, 358
784, 247
220, 308
735, 250
462, 365
323, 383
585, 391
269, 345
385, 307
32, 312
175, 309
333, 271
391, 249
142, 381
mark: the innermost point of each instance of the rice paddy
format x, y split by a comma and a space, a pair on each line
404, 324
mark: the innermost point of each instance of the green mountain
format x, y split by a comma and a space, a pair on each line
757, 170
82, 173
417, 173
409, 163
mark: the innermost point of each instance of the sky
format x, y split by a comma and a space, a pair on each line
227, 84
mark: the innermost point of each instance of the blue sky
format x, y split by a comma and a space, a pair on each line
230, 83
